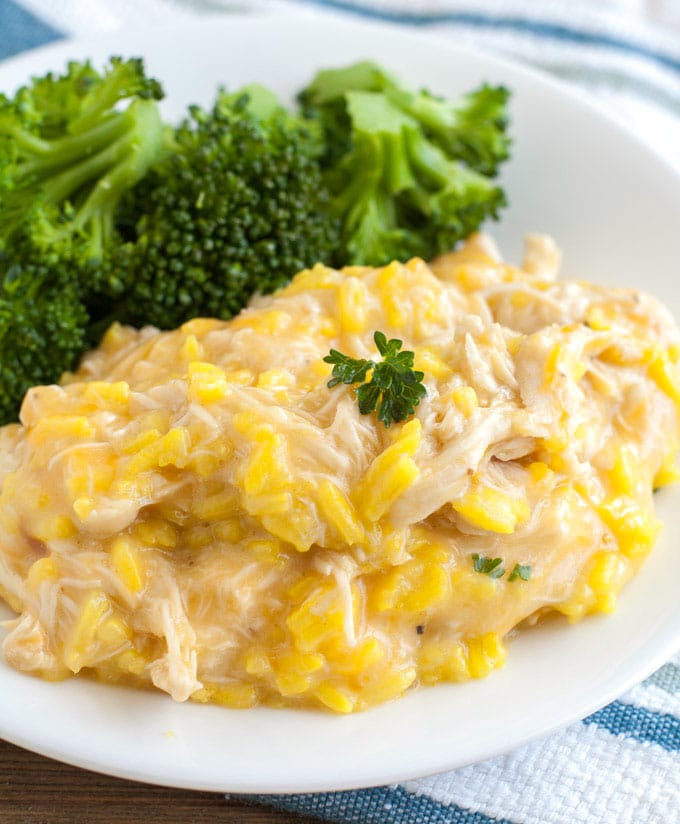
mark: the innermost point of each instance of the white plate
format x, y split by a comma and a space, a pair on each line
613, 206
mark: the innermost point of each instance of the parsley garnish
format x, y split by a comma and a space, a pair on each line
493, 567
395, 388
522, 571
488, 566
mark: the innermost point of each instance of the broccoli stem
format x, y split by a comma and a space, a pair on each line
129, 159
108, 94
431, 164
124, 79
117, 153
435, 115
30, 143
54, 154
64, 184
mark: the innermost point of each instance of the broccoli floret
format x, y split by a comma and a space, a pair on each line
410, 173
237, 206
473, 130
42, 332
68, 155
69, 152
324, 101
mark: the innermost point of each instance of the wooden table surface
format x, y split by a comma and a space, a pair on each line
37, 790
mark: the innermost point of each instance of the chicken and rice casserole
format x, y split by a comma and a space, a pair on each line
196, 510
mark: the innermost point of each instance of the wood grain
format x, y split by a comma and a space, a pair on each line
37, 790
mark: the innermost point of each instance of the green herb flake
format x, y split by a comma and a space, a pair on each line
493, 567
521, 571
395, 388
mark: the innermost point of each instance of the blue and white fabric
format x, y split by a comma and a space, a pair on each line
620, 765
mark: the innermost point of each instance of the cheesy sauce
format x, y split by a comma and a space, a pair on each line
196, 510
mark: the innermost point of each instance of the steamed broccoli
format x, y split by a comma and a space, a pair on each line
43, 326
410, 173
68, 155
237, 206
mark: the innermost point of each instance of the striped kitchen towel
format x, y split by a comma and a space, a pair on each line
620, 765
